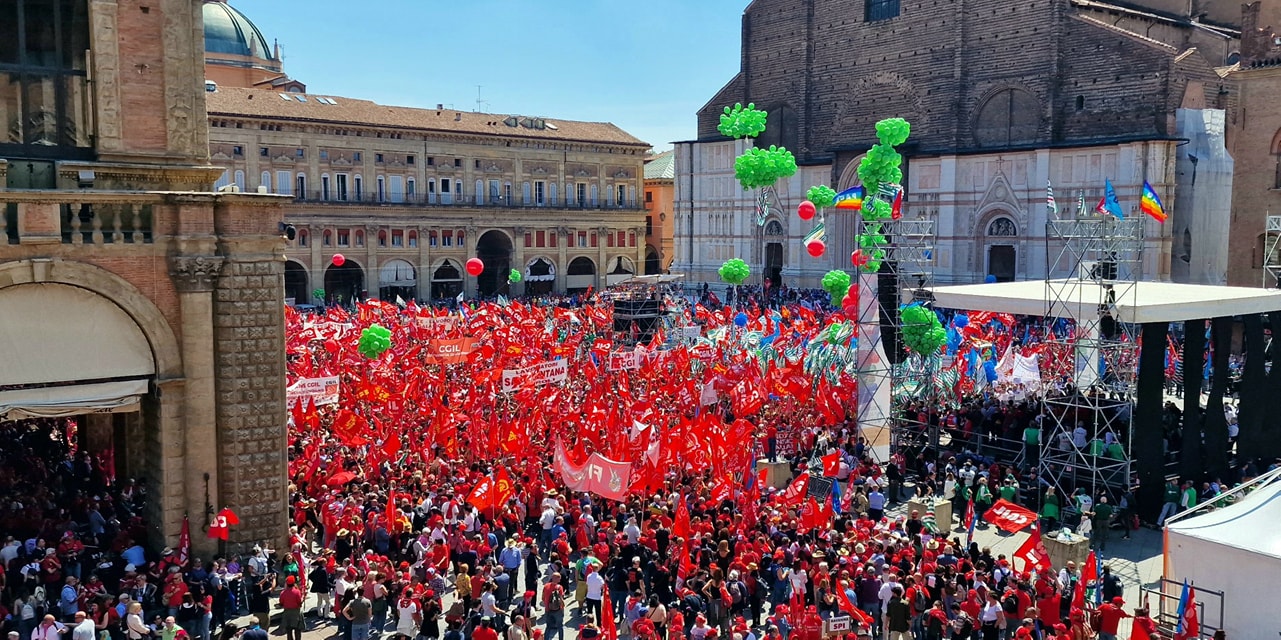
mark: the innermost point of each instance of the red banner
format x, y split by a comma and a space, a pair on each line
449, 351
599, 475
1033, 553
1009, 516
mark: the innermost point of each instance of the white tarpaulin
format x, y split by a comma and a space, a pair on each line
1236, 550
60, 402
1027, 369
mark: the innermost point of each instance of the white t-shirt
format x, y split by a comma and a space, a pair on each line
595, 583
991, 612
548, 518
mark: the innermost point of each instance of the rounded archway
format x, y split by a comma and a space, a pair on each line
446, 280
653, 263
580, 275
494, 248
620, 268
397, 281
1002, 254
296, 283
540, 276
344, 284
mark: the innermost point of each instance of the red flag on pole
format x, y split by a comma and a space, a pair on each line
844, 603
831, 464
184, 543
608, 629
680, 521
1033, 553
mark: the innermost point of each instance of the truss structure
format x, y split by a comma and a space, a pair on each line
1083, 252
892, 384
1272, 253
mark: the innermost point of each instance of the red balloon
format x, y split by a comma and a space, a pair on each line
816, 248
806, 210
339, 260
475, 267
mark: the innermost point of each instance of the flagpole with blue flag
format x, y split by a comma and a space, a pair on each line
836, 496
1110, 201
1183, 607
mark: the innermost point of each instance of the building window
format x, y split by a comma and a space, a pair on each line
43, 47
540, 238
881, 9
431, 162
344, 238
302, 185
431, 238
396, 186
413, 239
540, 193
649, 196
411, 188
551, 238
580, 193
237, 151
240, 180
324, 154
358, 183
529, 240
397, 238
552, 193
622, 195
265, 180
327, 238
302, 237
631, 238
622, 238
582, 239
378, 158
594, 238
355, 156
458, 163
360, 238
382, 189
477, 164
447, 239
507, 193
324, 187
445, 196
263, 152
409, 160
649, 224
341, 179
494, 191
382, 238
299, 153
526, 194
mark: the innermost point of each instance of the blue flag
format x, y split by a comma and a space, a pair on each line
836, 496
1110, 201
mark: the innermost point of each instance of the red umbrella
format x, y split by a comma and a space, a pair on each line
340, 478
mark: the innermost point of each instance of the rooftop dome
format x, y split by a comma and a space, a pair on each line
229, 32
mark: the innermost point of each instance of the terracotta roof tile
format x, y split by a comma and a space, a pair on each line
256, 103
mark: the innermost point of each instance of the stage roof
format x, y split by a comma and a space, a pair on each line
1137, 303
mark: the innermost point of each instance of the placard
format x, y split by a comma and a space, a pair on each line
535, 375
322, 391
625, 360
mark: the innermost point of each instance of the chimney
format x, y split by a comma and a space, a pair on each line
458, 117
440, 106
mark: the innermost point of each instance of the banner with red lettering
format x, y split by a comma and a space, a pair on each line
535, 375
1009, 516
625, 360
322, 391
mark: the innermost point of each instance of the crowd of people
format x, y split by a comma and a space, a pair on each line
394, 541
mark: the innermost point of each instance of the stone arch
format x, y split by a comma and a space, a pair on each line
296, 282
1007, 116
580, 274
875, 97
774, 228
849, 175
159, 334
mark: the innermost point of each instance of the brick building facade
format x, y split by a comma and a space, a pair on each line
1003, 97
131, 296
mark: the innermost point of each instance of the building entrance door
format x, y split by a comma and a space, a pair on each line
1000, 262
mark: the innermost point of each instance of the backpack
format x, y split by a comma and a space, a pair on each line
920, 601
556, 601
736, 592
1010, 604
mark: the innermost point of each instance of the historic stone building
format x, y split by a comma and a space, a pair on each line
1254, 138
660, 201
132, 297
408, 195
1003, 97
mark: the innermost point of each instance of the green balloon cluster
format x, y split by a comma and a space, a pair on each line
374, 340
740, 122
836, 283
758, 168
735, 271
821, 195
922, 331
881, 166
514, 276
318, 294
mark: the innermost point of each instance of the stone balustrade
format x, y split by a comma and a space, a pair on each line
80, 217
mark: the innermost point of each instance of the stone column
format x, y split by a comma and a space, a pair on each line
371, 261
518, 258
469, 252
194, 277
424, 266
250, 369
601, 266
562, 260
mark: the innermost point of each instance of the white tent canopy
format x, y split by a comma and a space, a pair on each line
1236, 550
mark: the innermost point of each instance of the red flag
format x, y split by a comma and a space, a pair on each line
608, 629
832, 464
481, 495
392, 446
896, 209
843, 602
220, 527
350, 428
1009, 516
723, 489
795, 493
393, 514
1033, 553
503, 487
747, 397
1189, 626
184, 543
680, 521
1089, 573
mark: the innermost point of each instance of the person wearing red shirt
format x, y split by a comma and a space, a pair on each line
485, 631
1110, 614
291, 602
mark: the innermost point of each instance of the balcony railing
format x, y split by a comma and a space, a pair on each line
452, 200
78, 217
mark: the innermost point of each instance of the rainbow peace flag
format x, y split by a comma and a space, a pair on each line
1151, 204
851, 199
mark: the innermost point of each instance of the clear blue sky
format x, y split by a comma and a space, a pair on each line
645, 66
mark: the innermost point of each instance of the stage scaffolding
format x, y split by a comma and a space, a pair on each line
1272, 253
1082, 252
890, 381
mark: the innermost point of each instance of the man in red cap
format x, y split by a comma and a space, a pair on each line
291, 602
1110, 614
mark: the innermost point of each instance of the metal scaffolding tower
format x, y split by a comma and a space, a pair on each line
1094, 265
891, 381
1272, 253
